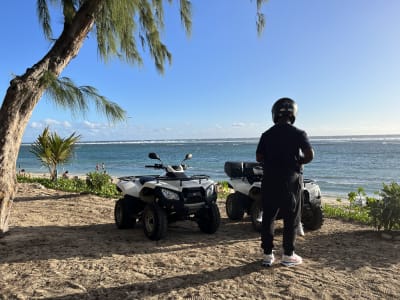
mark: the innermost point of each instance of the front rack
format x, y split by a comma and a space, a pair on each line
159, 178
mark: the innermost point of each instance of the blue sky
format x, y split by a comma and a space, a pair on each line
338, 59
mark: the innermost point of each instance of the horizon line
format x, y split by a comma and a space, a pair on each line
174, 140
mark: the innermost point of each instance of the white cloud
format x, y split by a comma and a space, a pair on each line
51, 122
67, 124
91, 125
238, 124
36, 125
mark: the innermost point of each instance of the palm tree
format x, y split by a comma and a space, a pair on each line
118, 26
52, 150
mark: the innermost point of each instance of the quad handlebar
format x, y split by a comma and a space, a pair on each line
155, 166
161, 166
154, 155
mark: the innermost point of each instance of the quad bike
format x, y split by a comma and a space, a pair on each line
157, 200
245, 180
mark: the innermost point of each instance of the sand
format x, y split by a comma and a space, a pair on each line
66, 246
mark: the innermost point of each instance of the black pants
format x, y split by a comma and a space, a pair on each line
281, 197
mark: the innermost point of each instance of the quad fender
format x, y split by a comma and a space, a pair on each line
148, 195
255, 193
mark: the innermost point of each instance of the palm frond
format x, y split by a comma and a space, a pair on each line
115, 27
52, 150
186, 15
44, 18
260, 17
121, 25
148, 25
66, 94
111, 109
68, 11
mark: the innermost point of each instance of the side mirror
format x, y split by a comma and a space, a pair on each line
153, 155
188, 156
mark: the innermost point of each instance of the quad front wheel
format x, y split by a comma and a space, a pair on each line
312, 217
155, 223
123, 214
234, 207
209, 218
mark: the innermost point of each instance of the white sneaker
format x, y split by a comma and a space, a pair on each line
259, 217
291, 260
300, 230
268, 260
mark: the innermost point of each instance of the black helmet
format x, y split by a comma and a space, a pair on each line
284, 107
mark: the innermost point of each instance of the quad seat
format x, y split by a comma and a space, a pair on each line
144, 179
240, 169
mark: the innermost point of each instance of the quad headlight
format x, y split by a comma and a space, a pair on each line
170, 195
211, 190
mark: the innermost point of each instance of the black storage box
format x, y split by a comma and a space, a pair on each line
248, 168
234, 169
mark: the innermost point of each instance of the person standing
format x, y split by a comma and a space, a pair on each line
283, 150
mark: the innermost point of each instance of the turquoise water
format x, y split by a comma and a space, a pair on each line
341, 164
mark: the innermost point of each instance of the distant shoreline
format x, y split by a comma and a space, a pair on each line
356, 137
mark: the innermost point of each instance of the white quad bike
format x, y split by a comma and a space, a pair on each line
245, 180
157, 200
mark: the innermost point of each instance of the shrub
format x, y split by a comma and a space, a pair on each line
101, 184
385, 212
223, 189
96, 180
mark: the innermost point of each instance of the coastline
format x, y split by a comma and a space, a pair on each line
326, 199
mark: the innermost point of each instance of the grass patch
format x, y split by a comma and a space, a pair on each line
106, 189
348, 213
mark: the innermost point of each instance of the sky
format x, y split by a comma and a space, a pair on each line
338, 59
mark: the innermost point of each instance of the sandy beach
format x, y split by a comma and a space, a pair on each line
66, 246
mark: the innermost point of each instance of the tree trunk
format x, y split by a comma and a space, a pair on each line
24, 93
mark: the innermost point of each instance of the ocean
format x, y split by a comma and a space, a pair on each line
341, 164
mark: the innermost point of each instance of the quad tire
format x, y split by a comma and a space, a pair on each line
155, 223
209, 219
123, 214
234, 207
312, 217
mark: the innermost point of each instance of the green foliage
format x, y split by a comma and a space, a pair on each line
120, 26
354, 196
382, 212
52, 150
66, 94
385, 212
347, 213
355, 211
75, 185
223, 189
100, 183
